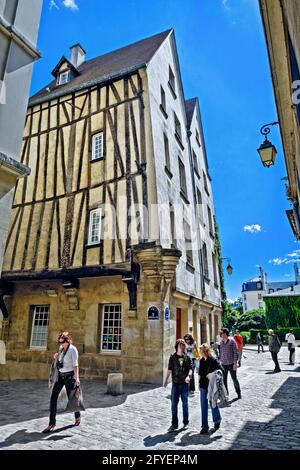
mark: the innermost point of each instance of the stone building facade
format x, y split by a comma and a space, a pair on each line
107, 239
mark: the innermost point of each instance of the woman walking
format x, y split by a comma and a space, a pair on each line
66, 361
274, 348
193, 353
208, 364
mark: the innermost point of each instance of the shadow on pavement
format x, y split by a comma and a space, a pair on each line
17, 398
24, 437
195, 439
280, 433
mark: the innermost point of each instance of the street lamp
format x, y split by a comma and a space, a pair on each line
229, 268
267, 150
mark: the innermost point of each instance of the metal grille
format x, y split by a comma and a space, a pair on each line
111, 328
39, 332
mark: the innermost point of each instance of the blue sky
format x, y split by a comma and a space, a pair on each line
224, 62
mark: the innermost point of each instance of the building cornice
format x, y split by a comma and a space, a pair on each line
12, 32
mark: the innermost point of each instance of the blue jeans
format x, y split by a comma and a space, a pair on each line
204, 410
180, 391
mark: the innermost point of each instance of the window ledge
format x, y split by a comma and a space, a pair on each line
94, 245
110, 353
97, 159
189, 267
168, 171
172, 91
164, 112
179, 141
184, 197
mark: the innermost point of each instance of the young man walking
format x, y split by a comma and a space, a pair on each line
229, 360
181, 369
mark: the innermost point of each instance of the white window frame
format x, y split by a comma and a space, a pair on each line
110, 351
92, 212
35, 312
97, 155
64, 74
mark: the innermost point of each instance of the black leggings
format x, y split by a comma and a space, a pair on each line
67, 381
292, 350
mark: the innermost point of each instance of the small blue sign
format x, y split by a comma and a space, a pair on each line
167, 313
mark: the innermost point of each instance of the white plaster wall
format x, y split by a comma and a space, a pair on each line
252, 301
213, 293
168, 190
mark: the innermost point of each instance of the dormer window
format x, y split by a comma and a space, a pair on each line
63, 78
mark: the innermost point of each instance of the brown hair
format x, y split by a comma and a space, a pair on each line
178, 342
65, 335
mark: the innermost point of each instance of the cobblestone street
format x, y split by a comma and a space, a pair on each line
267, 417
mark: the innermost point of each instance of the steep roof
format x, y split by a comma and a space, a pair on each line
189, 110
105, 67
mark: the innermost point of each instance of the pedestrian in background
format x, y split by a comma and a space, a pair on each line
208, 364
229, 360
274, 348
259, 342
239, 344
291, 341
181, 369
193, 353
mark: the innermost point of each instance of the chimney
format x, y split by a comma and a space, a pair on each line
77, 55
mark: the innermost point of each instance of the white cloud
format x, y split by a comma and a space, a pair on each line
278, 261
71, 4
53, 4
287, 275
254, 228
225, 4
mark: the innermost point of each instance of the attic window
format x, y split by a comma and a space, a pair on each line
63, 78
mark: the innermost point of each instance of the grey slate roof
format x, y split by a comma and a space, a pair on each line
189, 109
105, 67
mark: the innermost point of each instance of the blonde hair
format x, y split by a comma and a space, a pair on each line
206, 350
270, 332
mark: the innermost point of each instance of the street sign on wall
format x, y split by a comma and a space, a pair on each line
153, 313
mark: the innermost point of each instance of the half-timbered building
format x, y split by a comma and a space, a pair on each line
111, 236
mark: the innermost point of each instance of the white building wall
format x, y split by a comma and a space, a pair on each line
213, 291
168, 189
251, 300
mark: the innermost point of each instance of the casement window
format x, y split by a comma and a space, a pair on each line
205, 261
167, 152
163, 101
95, 227
111, 328
177, 128
63, 78
214, 263
258, 285
195, 161
172, 82
188, 242
205, 182
210, 224
97, 146
200, 205
39, 326
172, 226
182, 177
259, 296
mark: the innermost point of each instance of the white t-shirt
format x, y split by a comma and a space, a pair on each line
70, 359
291, 339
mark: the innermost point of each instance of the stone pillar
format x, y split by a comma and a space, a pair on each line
213, 333
144, 341
207, 327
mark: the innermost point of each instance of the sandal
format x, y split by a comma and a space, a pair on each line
49, 428
77, 422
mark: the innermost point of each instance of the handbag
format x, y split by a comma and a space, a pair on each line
75, 402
